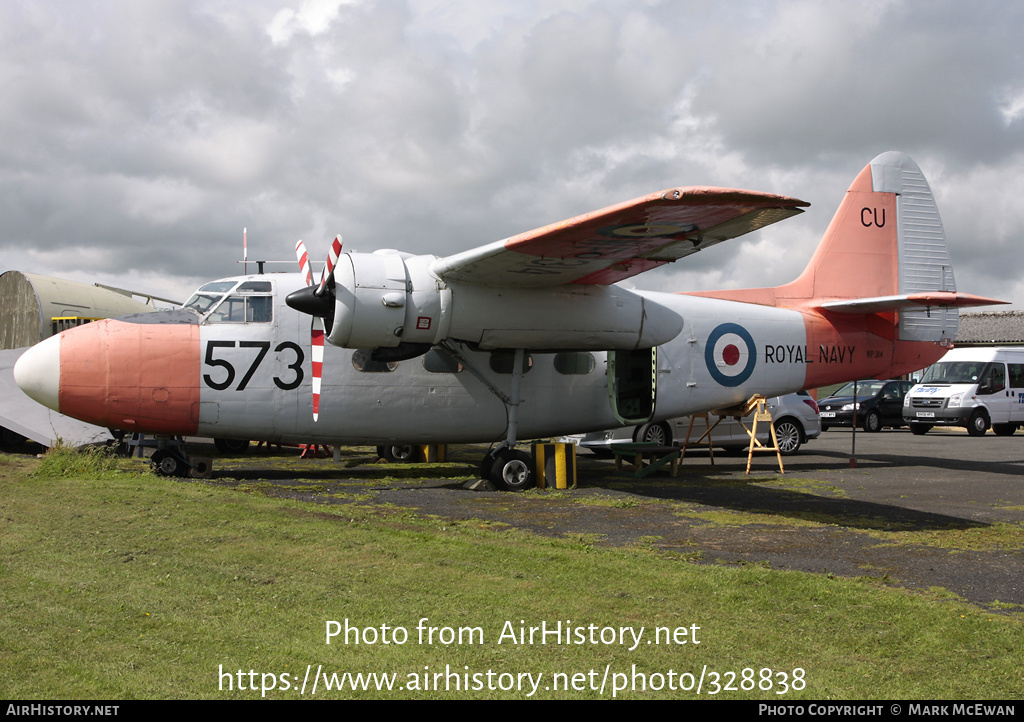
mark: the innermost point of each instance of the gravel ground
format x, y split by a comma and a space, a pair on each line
823, 516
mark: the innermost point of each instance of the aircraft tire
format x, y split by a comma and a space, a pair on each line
920, 429
513, 470
166, 463
398, 453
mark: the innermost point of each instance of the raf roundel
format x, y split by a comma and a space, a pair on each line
730, 354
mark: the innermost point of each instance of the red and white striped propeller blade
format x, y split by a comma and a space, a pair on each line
307, 272
332, 260
317, 326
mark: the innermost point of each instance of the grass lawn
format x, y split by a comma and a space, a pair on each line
119, 584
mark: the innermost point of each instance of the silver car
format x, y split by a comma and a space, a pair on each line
795, 417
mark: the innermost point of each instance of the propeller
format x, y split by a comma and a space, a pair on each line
319, 303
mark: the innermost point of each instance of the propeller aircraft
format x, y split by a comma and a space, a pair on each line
527, 337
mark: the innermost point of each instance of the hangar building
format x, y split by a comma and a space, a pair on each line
32, 308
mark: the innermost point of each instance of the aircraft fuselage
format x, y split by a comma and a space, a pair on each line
244, 371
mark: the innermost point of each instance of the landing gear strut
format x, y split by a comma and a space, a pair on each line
505, 467
510, 469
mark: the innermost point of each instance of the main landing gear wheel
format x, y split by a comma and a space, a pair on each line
509, 469
167, 463
920, 429
397, 454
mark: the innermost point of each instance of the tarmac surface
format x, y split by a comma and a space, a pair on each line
942, 510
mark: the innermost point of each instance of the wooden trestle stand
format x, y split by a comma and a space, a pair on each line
755, 405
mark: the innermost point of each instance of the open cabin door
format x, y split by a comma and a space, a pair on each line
632, 384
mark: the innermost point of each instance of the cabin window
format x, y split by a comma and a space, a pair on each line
441, 362
503, 362
362, 361
574, 363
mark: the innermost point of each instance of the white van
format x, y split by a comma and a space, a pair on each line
972, 387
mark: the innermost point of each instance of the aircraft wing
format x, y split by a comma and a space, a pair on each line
620, 241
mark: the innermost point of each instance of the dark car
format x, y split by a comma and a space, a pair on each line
879, 404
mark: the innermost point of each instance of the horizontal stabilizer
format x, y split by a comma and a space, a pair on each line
932, 299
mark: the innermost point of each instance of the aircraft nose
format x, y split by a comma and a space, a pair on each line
37, 372
136, 373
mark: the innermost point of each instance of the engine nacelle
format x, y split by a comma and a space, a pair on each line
386, 298
372, 292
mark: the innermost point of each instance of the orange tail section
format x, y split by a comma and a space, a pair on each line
881, 276
859, 254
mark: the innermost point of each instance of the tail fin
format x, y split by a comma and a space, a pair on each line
885, 251
880, 281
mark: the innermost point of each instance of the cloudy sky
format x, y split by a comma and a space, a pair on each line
137, 139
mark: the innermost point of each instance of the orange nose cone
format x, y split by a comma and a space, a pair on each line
131, 376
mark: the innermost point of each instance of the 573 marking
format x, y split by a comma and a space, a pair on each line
262, 347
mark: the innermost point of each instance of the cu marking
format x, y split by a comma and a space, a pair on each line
870, 217
730, 354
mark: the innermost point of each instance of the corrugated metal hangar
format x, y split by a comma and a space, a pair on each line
34, 307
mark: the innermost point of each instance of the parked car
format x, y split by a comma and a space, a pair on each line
795, 418
878, 404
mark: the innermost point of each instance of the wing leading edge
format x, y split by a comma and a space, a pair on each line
620, 241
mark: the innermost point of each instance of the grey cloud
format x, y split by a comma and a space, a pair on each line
153, 132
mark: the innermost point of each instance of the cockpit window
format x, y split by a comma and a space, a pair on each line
255, 287
250, 302
218, 286
202, 302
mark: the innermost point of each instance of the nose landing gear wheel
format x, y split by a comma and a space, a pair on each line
167, 463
